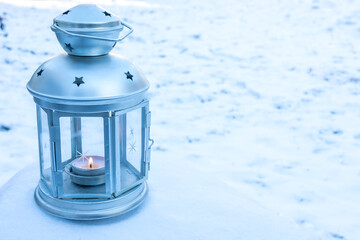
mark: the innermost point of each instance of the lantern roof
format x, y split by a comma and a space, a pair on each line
74, 78
87, 17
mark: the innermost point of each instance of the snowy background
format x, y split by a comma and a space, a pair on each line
256, 100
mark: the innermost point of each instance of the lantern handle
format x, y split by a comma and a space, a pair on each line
56, 27
152, 143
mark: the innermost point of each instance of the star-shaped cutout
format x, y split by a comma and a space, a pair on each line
107, 14
78, 81
65, 13
68, 46
129, 76
40, 72
132, 147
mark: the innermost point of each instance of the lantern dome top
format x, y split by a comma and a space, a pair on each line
88, 30
74, 79
84, 17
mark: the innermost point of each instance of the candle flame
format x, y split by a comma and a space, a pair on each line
91, 162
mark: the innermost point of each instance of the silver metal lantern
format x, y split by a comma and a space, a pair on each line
93, 120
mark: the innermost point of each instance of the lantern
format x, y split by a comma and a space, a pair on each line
93, 120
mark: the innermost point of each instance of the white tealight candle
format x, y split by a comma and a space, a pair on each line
92, 166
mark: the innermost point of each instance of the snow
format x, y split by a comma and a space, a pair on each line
255, 111
175, 213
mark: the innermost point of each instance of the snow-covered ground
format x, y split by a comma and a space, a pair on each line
250, 99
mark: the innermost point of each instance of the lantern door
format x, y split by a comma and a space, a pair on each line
132, 129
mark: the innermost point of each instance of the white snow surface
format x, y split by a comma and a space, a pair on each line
255, 115
166, 214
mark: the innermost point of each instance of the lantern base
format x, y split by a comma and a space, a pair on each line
91, 209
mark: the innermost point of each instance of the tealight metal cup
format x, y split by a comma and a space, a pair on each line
84, 180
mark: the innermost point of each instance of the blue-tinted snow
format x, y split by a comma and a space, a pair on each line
250, 99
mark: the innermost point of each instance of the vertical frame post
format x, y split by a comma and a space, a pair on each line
146, 123
39, 127
54, 131
123, 137
115, 153
108, 156
76, 143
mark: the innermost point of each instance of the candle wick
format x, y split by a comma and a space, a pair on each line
91, 166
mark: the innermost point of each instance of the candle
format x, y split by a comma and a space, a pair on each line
88, 166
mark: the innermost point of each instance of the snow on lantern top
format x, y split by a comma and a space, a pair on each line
88, 30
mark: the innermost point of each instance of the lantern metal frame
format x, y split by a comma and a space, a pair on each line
108, 87
53, 198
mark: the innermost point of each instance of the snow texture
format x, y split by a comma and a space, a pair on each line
166, 214
255, 115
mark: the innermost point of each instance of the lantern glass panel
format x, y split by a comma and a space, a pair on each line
133, 139
132, 151
44, 149
81, 137
65, 136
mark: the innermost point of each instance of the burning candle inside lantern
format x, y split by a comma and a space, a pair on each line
91, 162
88, 166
